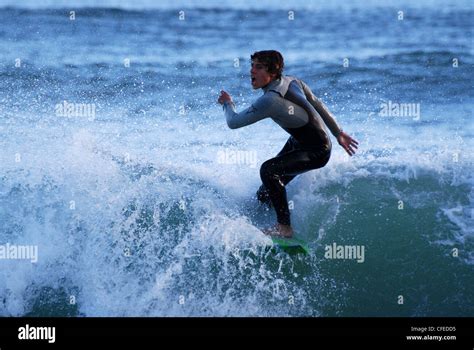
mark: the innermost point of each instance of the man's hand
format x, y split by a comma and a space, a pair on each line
347, 142
224, 97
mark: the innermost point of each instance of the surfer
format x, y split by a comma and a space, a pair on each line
290, 103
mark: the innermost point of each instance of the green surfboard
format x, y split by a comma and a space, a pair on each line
291, 245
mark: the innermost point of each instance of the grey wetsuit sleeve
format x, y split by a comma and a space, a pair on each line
259, 110
323, 111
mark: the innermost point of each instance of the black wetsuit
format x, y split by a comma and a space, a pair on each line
293, 106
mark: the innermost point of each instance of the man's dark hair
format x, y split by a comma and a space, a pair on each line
271, 59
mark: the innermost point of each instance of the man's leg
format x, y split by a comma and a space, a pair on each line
288, 165
262, 193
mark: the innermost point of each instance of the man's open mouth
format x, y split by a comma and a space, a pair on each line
253, 79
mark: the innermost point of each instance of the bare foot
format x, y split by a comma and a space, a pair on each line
279, 230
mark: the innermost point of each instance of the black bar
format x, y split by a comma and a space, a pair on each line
360, 331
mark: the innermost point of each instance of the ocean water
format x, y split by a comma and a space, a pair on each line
140, 201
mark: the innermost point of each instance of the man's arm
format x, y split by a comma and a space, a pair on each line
257, 111
323, 111
346, 141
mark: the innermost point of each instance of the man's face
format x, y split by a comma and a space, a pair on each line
259, 75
